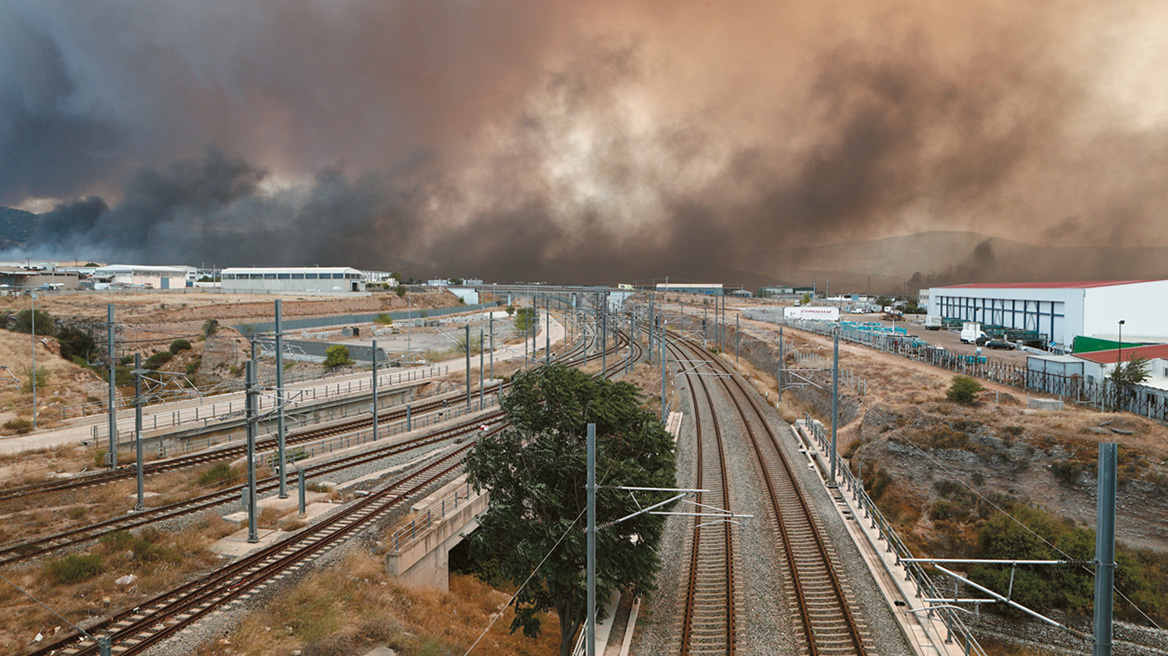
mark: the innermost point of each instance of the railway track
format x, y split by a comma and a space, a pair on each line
233, 451
40, 546
819, 597
135, 630
31, 548
708, 619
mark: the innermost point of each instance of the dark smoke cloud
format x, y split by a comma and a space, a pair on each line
590, 140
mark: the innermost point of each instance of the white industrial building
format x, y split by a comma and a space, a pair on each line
691, 288
1061, 311
291, 279
115, 276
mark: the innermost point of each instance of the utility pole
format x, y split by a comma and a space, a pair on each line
467, 327
33, 373
1105, 549
253, 534
663, 380
281, 426
112, 456
834, 405
491, 324
603, 342
590, 637
547, 331
374, 389
737, 335
782, 365
652, 326
141, 505
482, 387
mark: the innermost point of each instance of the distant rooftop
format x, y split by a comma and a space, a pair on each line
1153, 352
1046, 285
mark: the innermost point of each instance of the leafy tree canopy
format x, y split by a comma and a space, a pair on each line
536, 473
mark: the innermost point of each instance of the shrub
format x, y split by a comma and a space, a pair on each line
210, 326
158, 359
337, 355
218, 473
74, 568
384, 319
963, 390
179, 345
193, 365
23, 323
99, 457
400, 290
42, 378
18, 426
75, 343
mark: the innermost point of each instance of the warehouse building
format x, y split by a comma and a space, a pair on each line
691, 288
291, 279
123, 276
1057, 312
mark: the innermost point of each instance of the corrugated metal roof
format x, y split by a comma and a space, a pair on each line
1046, 285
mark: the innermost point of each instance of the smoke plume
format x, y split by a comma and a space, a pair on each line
595, 141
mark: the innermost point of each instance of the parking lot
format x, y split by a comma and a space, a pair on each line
948, 339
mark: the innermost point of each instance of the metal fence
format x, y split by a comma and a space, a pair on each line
340, 442
1104, 394
225, 410
924, 584
252, 329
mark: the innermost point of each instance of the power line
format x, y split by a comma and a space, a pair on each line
1019, 522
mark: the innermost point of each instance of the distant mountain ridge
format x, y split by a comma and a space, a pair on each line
16, 226
909, 262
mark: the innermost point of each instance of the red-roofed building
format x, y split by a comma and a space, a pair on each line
1060, 311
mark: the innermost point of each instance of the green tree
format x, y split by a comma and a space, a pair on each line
1124, 376
456, 281
510, 310
963, 390
806, 299
337, 355
535, 471
23, 323
525, 318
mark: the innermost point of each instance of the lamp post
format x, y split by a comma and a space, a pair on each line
1120, 358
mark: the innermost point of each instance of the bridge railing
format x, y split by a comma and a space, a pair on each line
406, 535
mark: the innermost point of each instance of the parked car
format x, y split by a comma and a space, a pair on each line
999, 344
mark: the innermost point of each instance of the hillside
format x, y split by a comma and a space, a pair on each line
16, 226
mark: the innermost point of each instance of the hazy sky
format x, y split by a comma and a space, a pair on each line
525, 139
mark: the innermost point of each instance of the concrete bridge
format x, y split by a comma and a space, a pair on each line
418, 552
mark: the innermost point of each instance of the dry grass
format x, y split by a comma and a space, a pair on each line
352, 606
160, 559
